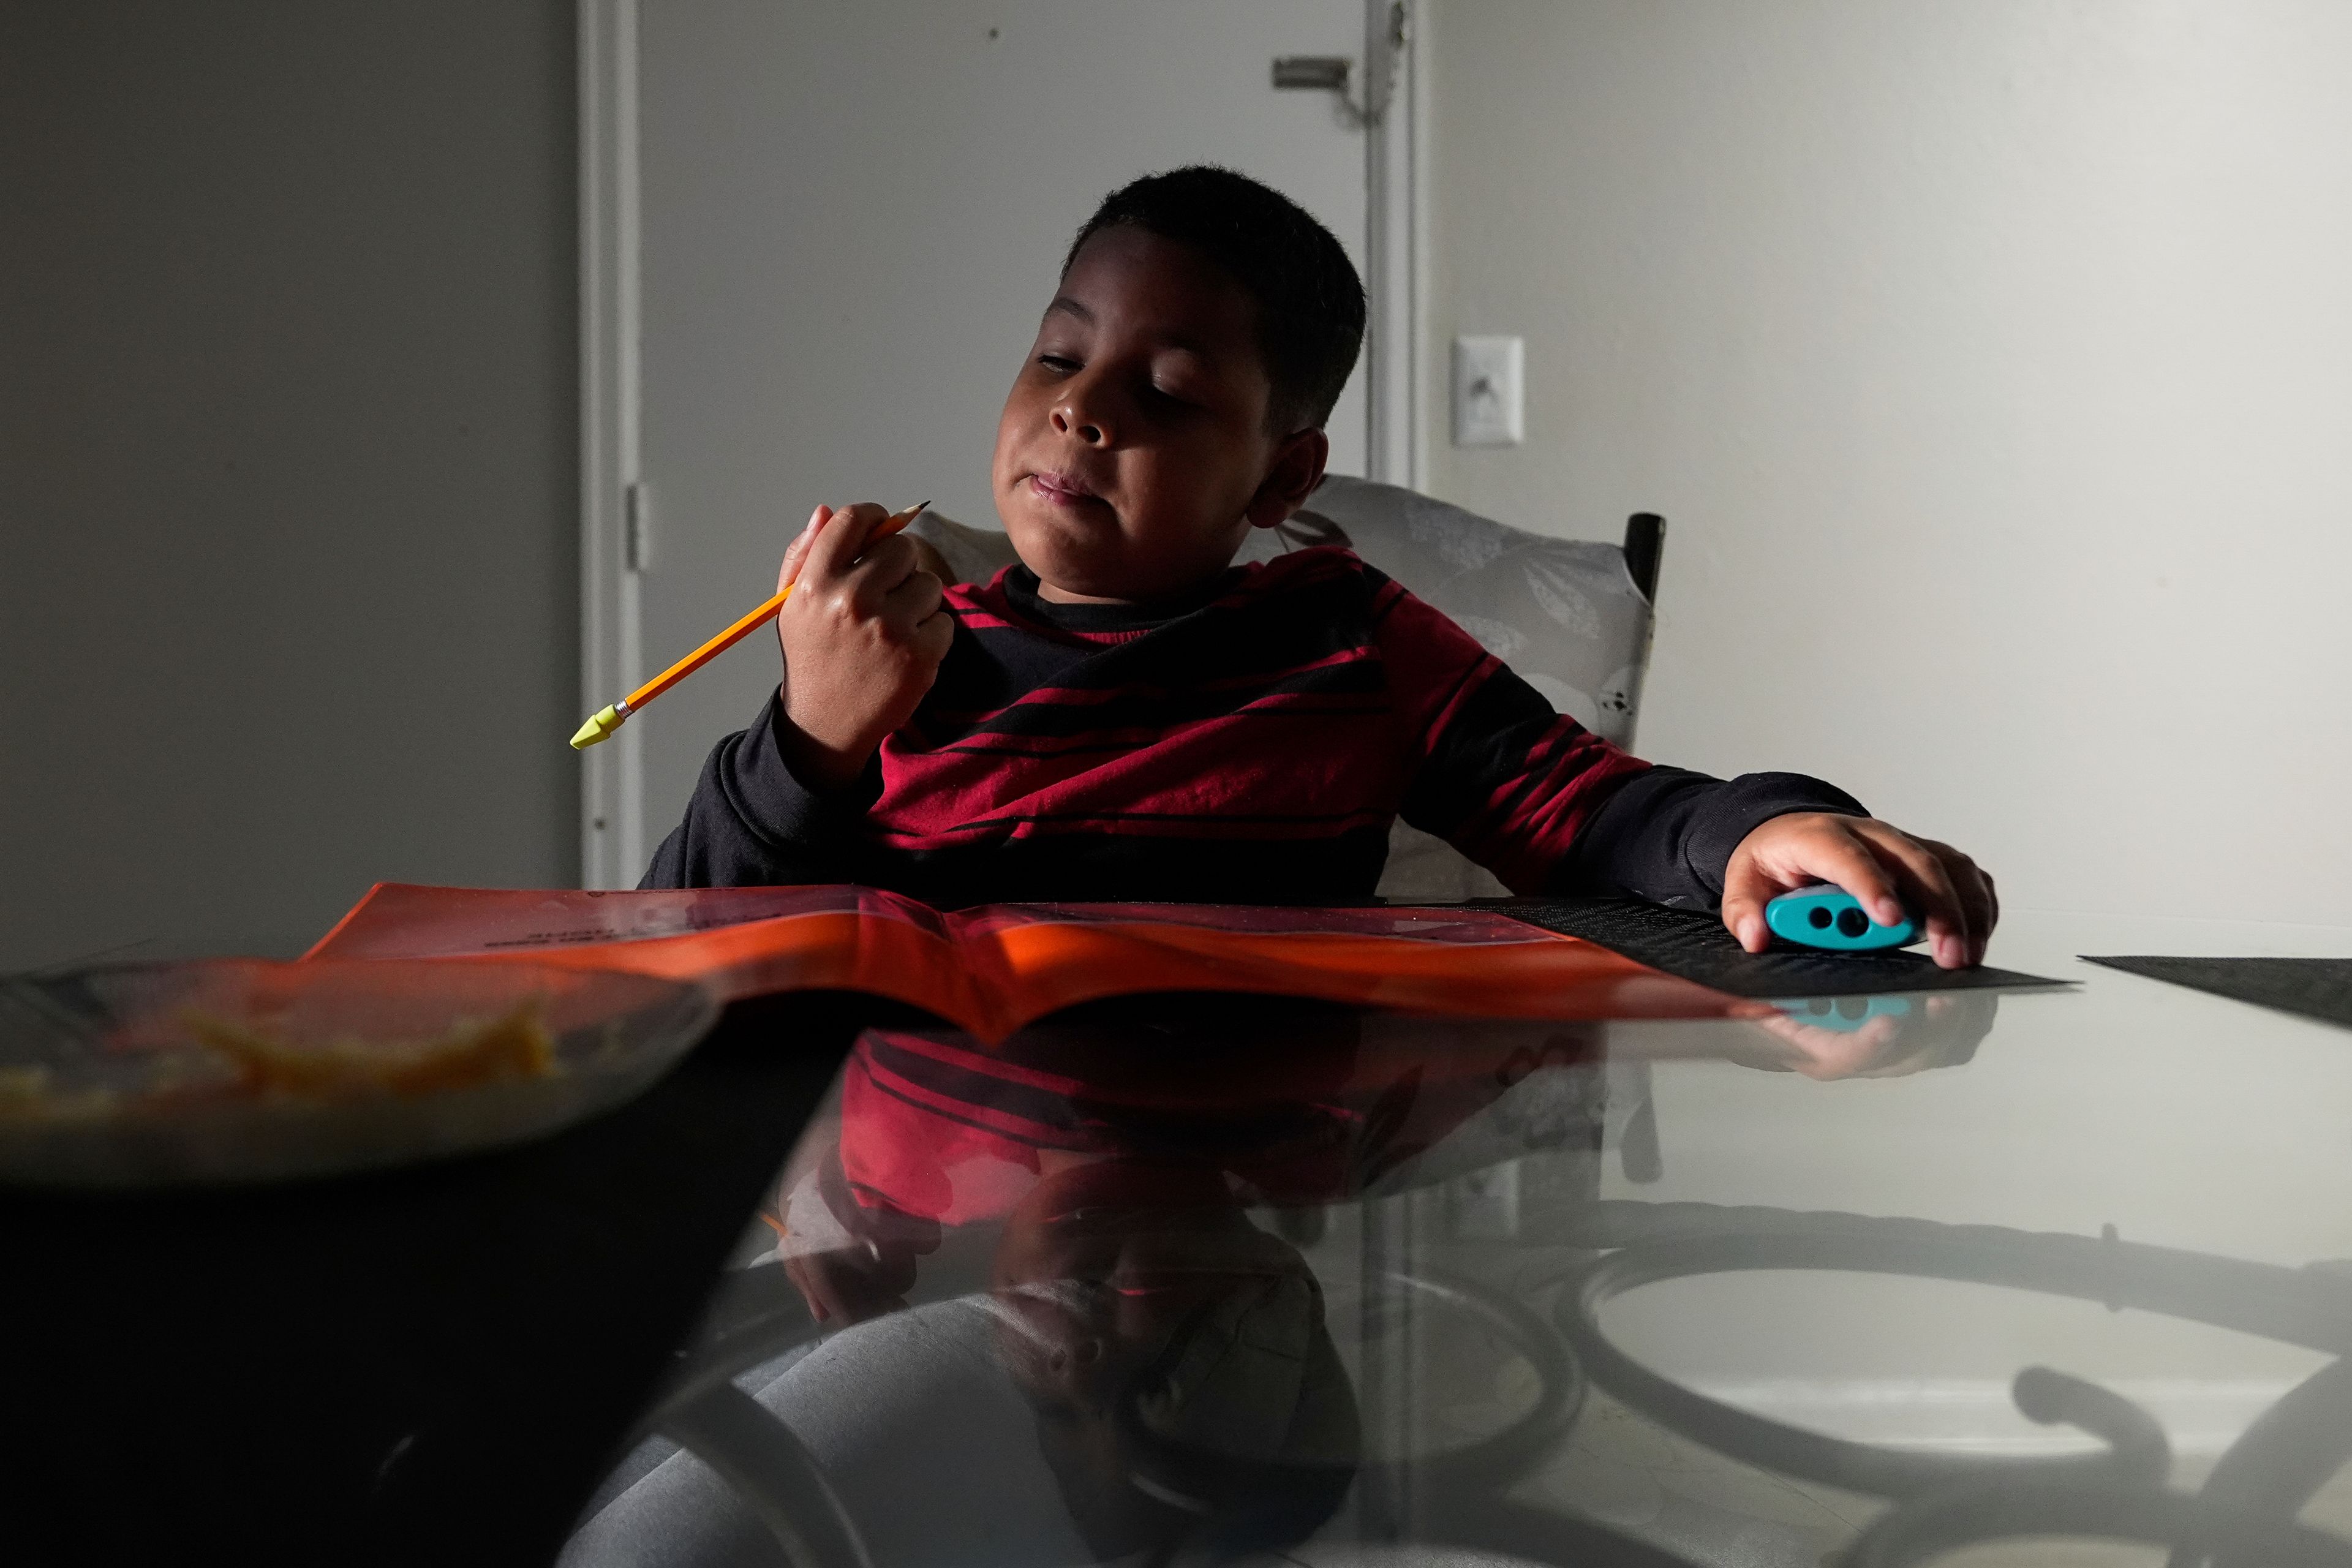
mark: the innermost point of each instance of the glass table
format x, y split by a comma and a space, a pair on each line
2028, 1277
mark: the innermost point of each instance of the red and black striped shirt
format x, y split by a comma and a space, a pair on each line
1253, 744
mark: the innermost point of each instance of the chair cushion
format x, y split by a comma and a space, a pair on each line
1563, 612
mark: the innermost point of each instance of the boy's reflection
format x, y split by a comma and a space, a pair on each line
1071, 1212
1290, 1105
1184, 1385
1295, 1104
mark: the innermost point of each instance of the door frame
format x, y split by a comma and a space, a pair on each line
1394, 239
611, 775
613, 538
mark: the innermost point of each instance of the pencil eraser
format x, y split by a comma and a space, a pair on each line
601, 723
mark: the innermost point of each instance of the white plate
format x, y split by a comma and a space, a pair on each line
107, 1078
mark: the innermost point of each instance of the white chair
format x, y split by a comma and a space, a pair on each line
1571, 616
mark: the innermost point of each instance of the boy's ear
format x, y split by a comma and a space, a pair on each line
1297, 470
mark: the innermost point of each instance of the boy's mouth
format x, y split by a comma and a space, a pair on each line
1062, 490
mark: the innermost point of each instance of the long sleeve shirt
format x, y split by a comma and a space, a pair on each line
1252, 742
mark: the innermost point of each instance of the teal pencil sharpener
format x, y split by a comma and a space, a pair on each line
1832, 918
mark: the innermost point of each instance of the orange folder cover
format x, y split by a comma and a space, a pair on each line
994, 968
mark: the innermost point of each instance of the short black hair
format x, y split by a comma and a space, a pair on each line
1310, 303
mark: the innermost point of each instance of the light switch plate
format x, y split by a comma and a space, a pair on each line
1488, 375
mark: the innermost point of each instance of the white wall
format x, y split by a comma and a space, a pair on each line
288, 437
1993, 363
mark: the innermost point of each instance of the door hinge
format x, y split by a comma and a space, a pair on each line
1330, 73
636, 529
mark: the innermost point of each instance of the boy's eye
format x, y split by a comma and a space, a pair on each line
1057, 362
1186, 393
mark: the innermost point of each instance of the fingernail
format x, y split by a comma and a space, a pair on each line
813, 518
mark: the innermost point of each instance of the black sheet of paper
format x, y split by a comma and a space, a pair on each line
1695, 946
2315, 987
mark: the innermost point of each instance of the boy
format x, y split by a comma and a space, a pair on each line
1126, 715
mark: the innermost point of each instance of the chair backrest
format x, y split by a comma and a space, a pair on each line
1571, 616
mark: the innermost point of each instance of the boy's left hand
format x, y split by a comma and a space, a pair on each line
1879, 864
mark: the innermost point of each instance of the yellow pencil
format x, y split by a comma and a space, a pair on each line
604, 721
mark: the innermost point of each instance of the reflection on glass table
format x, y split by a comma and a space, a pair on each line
1224, 1280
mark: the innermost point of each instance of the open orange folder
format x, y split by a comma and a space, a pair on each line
994, 968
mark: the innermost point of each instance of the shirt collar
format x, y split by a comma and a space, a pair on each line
1020, 591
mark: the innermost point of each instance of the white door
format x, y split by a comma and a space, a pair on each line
851, 216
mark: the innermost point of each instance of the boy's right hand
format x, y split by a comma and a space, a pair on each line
862, 636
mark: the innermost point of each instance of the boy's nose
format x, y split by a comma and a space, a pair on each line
1070, 420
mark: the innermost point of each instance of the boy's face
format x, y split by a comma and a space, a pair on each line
1134, 456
